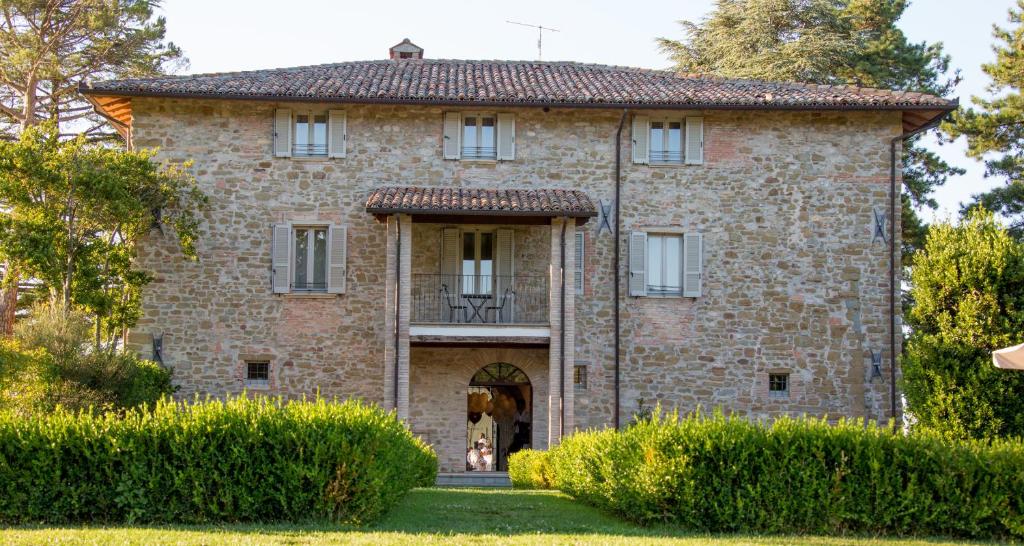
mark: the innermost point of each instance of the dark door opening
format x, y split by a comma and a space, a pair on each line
499, 412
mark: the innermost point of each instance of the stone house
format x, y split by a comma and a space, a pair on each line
524, 249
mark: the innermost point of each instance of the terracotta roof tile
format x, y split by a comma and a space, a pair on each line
447, 200
436, 81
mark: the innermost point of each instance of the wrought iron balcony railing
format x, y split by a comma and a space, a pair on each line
480, 299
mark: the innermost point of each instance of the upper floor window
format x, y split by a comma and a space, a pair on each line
310, 259
304, 133
666, 141
310, 135
479, 137
666, 263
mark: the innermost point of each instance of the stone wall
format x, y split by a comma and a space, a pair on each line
793, 280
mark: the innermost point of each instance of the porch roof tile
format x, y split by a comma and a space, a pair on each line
480, 201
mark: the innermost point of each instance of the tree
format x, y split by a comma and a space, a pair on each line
997, 128
968, 290
46, 49
854, 42
71, 214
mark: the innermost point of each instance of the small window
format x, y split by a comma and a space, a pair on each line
405, 54
664, 264
309, 259
479, 137
579, 377
257, 371
778, 385
310, 135
666, 141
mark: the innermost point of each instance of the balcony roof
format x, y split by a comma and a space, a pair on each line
448, 202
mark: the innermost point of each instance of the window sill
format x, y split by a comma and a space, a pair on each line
480, 161
671, 165
310, 295
257, 385
311, 158
666, 296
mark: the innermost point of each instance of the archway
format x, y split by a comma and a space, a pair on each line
499, 410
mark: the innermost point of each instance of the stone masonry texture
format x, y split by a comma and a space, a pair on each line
793, 281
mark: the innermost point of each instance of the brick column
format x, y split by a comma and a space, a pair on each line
560, 393
405, 294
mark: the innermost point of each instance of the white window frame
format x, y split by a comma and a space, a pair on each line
478, 287
660, 235
665, 140
310, 257
479, 135
311, 131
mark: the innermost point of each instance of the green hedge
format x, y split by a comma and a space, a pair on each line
215, 461
529, 469
721, 474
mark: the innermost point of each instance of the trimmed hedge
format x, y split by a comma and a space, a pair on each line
528, 469
721, 474
214, 461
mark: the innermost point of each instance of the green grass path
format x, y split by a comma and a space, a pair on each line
437, 516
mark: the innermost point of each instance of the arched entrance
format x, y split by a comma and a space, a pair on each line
499, 410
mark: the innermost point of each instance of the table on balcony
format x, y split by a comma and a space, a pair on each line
477, 303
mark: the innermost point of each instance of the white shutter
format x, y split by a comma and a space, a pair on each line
693, 264
506, 137
337, 133
641, 138
450, 248
637, 263
504, 269
283, 132
452, 135
337, 242
281, 258
580, 239
694, 141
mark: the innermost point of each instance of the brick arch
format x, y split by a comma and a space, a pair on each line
439, 384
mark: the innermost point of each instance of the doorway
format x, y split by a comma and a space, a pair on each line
499, 409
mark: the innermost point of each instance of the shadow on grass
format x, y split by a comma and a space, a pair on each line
441, 515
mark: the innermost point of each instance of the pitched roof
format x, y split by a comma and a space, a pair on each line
438, 81
467, 201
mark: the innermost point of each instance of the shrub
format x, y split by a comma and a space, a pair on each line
721, 474
529, 469
59, 367
215, 461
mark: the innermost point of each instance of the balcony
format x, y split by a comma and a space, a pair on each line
480, 299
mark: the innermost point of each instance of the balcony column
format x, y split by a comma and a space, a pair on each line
560, 367
398, 250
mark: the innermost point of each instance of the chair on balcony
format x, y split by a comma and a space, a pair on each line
509, 294
446, 296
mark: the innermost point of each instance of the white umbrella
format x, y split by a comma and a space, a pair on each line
1010, 358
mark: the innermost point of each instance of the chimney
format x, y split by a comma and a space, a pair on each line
405, 50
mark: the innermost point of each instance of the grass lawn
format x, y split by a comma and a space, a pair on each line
437, 516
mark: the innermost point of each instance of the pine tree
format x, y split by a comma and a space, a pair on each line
997, 128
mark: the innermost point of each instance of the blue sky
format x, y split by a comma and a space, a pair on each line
225, 35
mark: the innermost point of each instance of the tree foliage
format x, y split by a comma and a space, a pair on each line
48, 47
72, 212
852, 42
968, 293
995, 132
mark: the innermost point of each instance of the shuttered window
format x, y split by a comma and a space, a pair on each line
668, 140
479, 136
308, 258
304, 133
665, 264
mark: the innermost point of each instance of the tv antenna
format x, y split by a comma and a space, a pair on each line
540, 34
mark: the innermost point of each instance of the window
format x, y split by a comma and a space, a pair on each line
580, 261
257, 371
479, 137
309, 259
778, 385
579, 376
477, 262
664, 264
310, 135
666, 141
